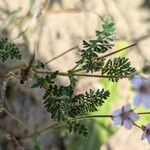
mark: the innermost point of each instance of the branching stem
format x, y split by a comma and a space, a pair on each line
107, 55
78, 74
56, 125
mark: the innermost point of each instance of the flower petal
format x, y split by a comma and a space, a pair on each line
134, 116
146, 100
136, 82
127, 124
148, 126
148, 138
117, 120
127, 108
117, 112
137, 100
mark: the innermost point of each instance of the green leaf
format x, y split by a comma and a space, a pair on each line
39, 82
9, 50
118, 67
78, 128
39, 65
89, 101
90, 54
48, 79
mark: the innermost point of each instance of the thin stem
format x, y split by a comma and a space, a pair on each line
17, 119
144, 113
77, 70
137, 126
117, 51
13, 74
75, 67
56, 125
104, 56
75, 74
90, 117
9, 137
73, 48
99, 76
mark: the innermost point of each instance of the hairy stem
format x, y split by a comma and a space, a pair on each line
117, 51
144, 113
73, 48
78, 74
56, 125
137, 126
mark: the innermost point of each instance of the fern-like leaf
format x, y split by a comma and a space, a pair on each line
118, 67
9, 50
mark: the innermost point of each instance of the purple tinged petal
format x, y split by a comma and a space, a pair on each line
127, 108
137, 100
117, 112
148, 80
134, 116
148, 126
117, 120
137, 82
146, 100
127, 124
148, 138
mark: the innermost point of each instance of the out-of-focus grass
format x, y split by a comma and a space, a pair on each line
37, 142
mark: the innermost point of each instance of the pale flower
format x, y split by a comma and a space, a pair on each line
146, 133
124, 116
142, 86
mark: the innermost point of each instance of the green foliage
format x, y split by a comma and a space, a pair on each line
62, 103
42, 81
40, 65
146, 69
99, 129
118, 67
39, 82
78, 128
37, 142
90, 100
90, 60
109, 30
9, 50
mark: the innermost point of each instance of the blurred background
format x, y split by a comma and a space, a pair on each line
55, 26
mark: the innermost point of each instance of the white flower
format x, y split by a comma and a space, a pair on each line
146, 133
142, 85
124, 116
